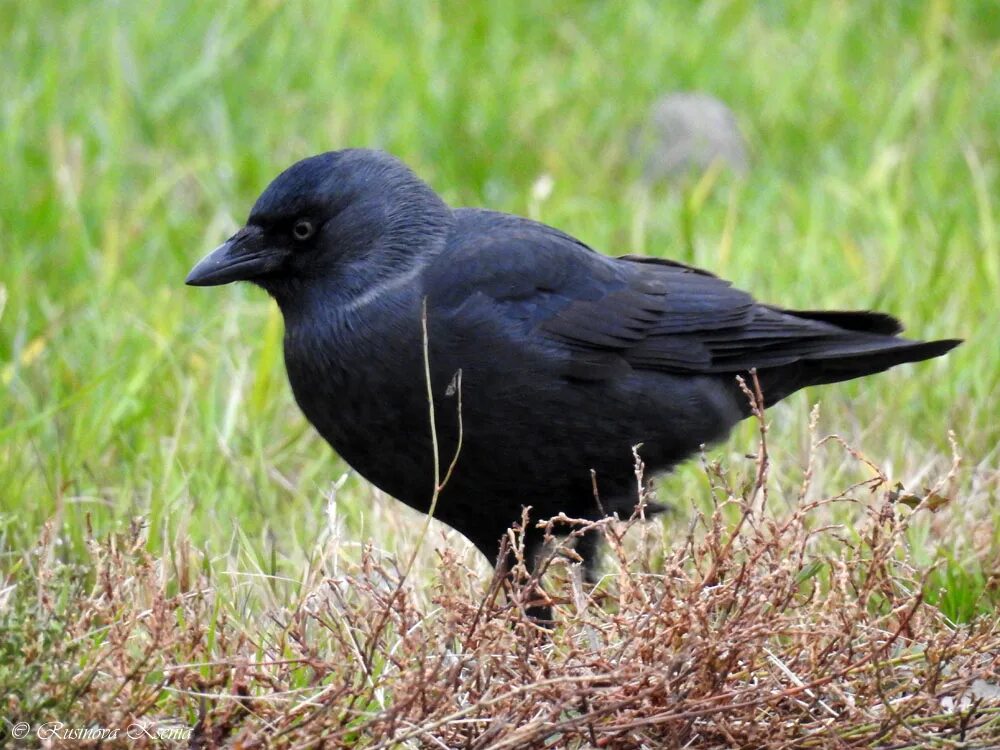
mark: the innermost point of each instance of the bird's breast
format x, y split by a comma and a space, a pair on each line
360, 384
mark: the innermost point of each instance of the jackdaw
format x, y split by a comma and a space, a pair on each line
547, 360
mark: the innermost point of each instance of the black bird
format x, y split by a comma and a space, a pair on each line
568, 358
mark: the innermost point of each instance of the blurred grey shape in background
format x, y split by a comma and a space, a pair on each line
690, 130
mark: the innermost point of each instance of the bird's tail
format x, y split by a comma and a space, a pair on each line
868, 346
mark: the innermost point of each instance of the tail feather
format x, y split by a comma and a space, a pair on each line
849, 359
871, 358
862, 321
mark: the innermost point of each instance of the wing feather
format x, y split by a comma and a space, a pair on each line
603, 316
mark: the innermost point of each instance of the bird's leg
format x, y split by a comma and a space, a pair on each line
538, 610
504, 559
588, 547
522, 578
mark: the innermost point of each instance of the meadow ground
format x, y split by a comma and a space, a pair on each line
150, 444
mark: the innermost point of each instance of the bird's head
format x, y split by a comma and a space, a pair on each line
340, 220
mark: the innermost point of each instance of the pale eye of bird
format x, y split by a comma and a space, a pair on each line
303, 229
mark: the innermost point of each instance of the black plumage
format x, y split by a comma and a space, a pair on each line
568, 358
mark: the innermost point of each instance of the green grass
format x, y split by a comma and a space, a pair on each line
135, 136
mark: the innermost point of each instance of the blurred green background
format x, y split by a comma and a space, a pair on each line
135, 137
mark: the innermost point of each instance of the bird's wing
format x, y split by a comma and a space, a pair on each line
603, 316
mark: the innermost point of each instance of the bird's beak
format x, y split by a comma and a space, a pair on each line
242, 257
